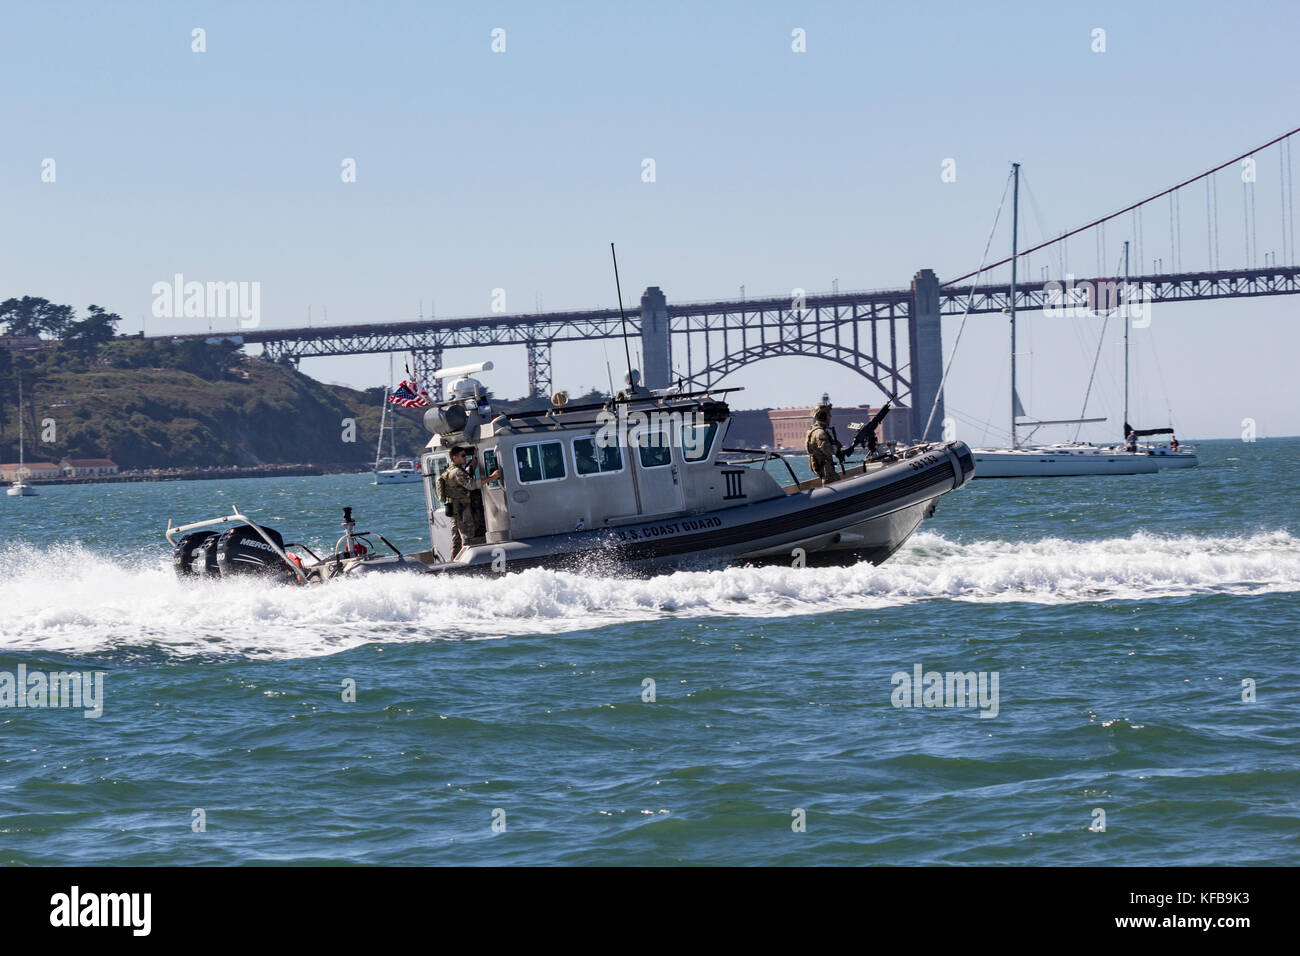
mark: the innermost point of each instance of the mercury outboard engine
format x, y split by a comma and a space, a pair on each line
241, 550
196, 554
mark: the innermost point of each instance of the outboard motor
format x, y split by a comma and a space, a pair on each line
241, 550
196, 555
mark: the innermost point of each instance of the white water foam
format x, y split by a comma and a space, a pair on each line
73, 600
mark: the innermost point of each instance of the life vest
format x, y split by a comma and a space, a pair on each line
808, 439
449, 493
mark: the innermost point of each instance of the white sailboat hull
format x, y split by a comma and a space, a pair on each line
1165, 458
20, 490
396, 477
404, 471
1049, 462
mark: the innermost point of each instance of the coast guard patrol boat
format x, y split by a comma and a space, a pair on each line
642, 482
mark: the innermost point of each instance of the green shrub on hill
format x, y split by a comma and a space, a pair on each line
150, 403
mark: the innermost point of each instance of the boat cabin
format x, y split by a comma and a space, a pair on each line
645, 454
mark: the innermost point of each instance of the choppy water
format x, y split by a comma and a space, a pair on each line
1120, 615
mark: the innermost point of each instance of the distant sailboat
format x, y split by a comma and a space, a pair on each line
1168, 454
390, 470
1062, 459
20, 488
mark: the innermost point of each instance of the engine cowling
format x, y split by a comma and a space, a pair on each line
196, 555
241, 550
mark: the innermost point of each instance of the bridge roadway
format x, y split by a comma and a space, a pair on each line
875, 333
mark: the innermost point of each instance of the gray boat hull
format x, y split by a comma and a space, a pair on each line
864, 516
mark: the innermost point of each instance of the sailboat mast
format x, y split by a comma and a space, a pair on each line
1126, 324
21, 459
383, 415
1015, 228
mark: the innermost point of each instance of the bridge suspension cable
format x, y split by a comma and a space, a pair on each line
1137, 207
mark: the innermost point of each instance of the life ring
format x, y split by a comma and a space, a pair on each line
295, 578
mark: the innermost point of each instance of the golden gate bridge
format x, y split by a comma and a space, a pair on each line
892, 337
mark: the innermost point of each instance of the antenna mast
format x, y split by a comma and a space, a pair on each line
1126, 324
1015, 225
626, 350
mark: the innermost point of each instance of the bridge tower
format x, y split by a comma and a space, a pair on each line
925, 350
656, 342
539, 368
428, 361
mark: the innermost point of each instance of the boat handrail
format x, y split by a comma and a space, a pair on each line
299, 544
338, 545
768, 455
568, 410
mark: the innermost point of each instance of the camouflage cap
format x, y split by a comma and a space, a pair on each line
822, 412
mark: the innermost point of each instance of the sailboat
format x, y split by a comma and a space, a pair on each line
20, 488
391, 470
1168, 454
1061, 459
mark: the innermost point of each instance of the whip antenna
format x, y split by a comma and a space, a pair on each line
626, 350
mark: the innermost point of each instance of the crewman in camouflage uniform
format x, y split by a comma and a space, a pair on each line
455, 489
822, 446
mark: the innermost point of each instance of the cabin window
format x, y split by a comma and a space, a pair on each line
540, 462
435, 466
593, 460
490, 465
697, 440
656, 447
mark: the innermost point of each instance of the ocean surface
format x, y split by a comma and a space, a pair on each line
511, 719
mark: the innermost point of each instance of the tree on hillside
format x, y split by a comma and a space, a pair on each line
32, 315
90, 333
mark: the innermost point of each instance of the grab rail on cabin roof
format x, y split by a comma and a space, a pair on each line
590, 406
767, 455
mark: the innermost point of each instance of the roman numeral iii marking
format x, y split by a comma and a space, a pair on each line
733, 485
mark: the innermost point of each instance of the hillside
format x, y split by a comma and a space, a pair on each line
147, 404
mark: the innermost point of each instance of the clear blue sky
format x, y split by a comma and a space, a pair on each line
775, 170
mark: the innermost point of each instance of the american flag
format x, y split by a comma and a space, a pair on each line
406, 396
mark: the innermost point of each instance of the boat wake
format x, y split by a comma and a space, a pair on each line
74, 601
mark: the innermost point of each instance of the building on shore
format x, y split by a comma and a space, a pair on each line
19, 343
88, 467
32, 469
786, 428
